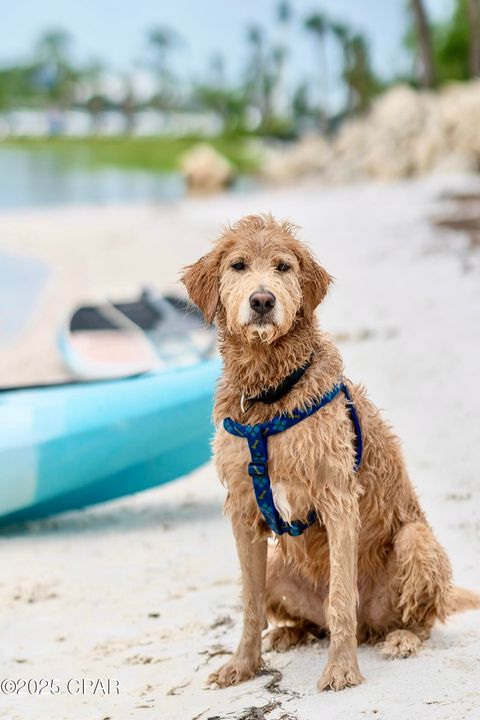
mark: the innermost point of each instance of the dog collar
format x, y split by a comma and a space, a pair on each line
276, 393
257, 436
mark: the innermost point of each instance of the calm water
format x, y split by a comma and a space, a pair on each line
41, 178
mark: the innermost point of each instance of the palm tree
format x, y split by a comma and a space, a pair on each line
54, 71
217, 71
340, 31
95, 100
343, 36
427, 73
318, 25
358, 74
474, 23
301, 108
279, 57
256, 70
284, 11
162, 40
256, 41
214, 95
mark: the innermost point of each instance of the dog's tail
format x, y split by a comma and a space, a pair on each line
460, 600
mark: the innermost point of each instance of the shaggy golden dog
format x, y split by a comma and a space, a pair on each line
370, 567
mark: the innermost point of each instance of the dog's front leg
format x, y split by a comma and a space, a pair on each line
247, 658
340, 515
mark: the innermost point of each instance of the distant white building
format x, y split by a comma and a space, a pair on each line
78, 123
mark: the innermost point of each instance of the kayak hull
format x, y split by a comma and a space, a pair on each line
74, 445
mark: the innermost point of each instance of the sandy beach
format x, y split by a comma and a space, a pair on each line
145, 590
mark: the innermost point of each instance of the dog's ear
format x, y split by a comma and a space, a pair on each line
202, 283
315, 281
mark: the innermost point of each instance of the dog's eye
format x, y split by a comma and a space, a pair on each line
283, 267
238, 266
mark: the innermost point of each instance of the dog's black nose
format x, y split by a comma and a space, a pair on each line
262, 301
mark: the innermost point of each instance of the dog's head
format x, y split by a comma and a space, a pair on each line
259, 278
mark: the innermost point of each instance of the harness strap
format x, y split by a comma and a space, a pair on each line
257, 436
356, 426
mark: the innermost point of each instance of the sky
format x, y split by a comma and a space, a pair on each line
114, 31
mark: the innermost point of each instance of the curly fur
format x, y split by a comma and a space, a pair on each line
371, 569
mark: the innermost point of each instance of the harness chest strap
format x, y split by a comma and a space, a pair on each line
257, 437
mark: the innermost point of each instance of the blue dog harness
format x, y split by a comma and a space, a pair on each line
257, 436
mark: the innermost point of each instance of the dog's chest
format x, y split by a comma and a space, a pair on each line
294, 460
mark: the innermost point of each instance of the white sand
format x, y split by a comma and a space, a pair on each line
145, 590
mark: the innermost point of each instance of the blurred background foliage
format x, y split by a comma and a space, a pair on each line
256, 104
447, 50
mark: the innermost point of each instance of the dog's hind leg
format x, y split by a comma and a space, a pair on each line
421, 582
283, 637
296, 610
400, 644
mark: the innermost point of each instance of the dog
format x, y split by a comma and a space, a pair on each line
369, 568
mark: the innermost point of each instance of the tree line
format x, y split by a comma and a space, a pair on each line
260, 98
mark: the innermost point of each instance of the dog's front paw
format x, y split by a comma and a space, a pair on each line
337, 676
235, 671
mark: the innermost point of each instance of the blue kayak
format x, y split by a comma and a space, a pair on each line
68, 446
